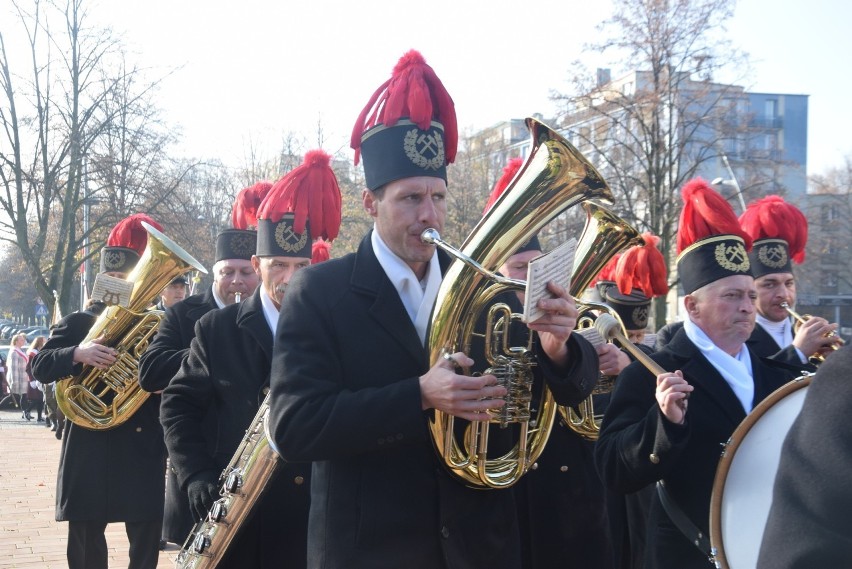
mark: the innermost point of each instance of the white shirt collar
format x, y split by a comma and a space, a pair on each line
417, 296
269, 311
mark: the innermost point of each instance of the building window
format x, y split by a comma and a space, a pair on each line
829, 213
830, 279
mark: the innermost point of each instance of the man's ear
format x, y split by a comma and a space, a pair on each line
369, 200
691, 304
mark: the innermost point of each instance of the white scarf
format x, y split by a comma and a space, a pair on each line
735, 370
269, 311
219, 302
781, 332
417, 296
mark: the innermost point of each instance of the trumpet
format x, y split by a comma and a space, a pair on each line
801, 319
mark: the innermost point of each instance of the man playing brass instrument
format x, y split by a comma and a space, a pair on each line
233, 277
225, 377
113, 475
351, 382
780, 233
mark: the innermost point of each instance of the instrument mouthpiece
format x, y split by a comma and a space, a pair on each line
430, 236
606, 325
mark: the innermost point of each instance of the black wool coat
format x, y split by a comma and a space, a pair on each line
809, 524
161, 361
345, 393
226, 375
639, 446
114, 475
157, 366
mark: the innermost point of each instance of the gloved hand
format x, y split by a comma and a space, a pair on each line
203, 490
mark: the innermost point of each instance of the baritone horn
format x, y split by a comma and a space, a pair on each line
554, 177
103, 399
800, 321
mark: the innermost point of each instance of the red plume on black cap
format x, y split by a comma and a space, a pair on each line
129, 232
310, 191
320, 251
773, 218
415, 92
244, 212
642, 267
710, 242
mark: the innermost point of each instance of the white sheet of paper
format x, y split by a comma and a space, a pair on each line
111, 290
553, 266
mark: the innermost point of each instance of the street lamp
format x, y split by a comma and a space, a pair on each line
731, 182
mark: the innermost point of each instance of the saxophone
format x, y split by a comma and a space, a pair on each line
242, 482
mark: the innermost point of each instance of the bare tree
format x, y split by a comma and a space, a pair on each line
650, 131
82, 138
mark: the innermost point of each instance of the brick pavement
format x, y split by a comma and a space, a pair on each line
29, 534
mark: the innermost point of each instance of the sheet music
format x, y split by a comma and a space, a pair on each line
112, 290
553, 266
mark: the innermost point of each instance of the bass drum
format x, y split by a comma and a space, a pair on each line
742, 489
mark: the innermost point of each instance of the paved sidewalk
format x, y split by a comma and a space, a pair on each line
29, 534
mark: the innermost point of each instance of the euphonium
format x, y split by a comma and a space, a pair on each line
554, 177
604, 235
800, 320
103, 399
242, 482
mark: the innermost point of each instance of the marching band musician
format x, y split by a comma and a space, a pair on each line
226, 374
233, 277
561, 510
113, 475
670, 428
351, 383
780, 232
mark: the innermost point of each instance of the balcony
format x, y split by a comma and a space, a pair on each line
766, 122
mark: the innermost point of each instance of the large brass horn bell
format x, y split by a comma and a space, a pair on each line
104, 399
554, 177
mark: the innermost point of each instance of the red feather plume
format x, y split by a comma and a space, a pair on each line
309, 191
129, 232
608, 271
244, 212
413, 91
320, 251
509, 170
705, 213
773, 218
642, 267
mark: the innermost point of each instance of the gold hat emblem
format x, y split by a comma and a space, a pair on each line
289, 240
772, 256
640, 315
424, 148
114, 260
243, 245
732, 257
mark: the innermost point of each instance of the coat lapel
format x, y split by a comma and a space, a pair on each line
386, 309
702, 374
250, 320
761, 342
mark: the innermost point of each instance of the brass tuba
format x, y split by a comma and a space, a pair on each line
103, 399
604, 235
554, 177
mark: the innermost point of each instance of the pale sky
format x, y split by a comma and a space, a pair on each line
253, 70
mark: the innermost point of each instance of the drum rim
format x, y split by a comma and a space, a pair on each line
727, 457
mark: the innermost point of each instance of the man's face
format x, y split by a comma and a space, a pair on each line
772, 290
232, 276
725, 310
276, 272
403, 211
636, 336
515, 266
173, 293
